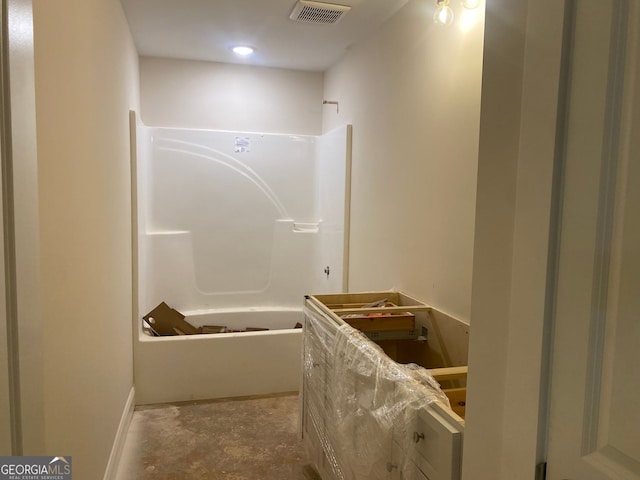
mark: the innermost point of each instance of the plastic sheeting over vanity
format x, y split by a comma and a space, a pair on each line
367, 416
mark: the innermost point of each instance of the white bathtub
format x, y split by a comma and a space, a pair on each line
195, 367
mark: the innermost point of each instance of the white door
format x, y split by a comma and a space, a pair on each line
594, 422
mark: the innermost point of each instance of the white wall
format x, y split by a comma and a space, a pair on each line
86, 82
412, 93
218, 96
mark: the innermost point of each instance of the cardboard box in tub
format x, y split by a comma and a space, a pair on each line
164, 320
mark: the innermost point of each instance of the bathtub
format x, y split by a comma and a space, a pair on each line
197, 367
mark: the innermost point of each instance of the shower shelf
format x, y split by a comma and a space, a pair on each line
168, 232
306, 227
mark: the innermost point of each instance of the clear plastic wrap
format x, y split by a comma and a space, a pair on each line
358, 402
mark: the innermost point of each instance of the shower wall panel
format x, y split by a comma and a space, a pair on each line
232, 219
332, 180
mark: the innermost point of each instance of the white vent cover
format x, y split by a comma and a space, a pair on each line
318, 12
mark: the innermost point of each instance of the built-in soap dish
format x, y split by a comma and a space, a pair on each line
306, 227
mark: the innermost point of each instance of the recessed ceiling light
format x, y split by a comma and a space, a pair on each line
243, 50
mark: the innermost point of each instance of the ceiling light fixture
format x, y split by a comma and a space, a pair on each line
444, 14
243, 50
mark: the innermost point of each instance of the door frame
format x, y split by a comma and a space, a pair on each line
7, 372
20, 227
517, 196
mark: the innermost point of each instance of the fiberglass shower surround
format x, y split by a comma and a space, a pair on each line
234, 229
237, 220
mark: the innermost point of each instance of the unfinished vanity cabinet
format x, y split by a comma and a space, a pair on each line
371, 408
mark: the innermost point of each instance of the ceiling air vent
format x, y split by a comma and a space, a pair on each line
318, 12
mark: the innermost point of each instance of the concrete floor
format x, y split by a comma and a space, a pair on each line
234, 439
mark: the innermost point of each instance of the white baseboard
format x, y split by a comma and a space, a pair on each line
121, 435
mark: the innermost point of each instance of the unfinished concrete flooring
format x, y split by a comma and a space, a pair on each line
238, 439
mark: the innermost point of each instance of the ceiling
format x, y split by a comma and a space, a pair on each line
206, 29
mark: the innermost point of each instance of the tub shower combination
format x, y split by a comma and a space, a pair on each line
234, 228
